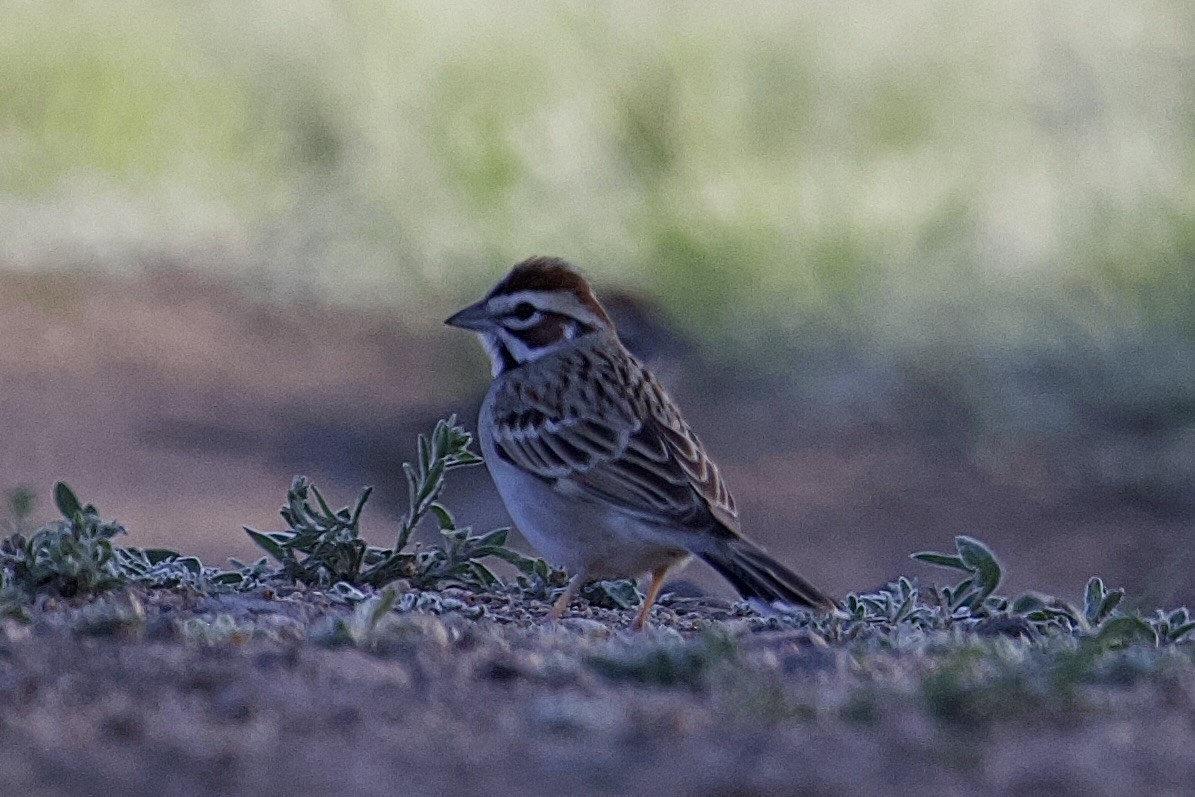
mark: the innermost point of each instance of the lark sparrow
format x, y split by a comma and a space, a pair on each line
591, 456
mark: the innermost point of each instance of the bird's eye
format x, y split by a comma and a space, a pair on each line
523, 311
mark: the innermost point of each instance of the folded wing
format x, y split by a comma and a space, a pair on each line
632, 450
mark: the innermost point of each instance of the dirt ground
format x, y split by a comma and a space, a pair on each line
457, 706
183, 409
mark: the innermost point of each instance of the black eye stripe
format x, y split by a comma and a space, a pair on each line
524, 319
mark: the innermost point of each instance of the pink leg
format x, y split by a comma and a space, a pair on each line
562, 603
653, 591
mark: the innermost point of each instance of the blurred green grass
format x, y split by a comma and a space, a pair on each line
967, 188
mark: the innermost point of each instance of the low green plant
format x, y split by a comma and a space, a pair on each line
67, 556
324, 547
614, 594
973, 604
539, 581
76, 554
1171, 626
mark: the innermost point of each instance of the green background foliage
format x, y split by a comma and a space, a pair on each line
907, 174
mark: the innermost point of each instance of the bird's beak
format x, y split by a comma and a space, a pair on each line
475, 317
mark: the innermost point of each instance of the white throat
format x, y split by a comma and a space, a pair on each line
499, 359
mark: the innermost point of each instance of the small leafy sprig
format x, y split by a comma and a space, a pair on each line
324, 547
447, 449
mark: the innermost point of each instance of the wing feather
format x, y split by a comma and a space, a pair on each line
628, 447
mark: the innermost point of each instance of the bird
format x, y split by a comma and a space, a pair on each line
591, 456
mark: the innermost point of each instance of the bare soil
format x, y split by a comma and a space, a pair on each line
460, 706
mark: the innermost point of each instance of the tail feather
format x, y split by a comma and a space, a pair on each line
759, 576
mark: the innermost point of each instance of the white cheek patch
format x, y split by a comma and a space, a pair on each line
506, 349
520, 351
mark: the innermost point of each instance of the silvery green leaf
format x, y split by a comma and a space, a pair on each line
66, 501
1093, 597
1109, 604
1029, 602
443, 517
267, 544
979, 558
1120, 631
939, 559
1176, 633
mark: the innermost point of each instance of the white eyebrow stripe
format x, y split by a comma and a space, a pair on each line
559, 302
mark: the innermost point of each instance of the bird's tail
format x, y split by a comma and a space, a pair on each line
757, 575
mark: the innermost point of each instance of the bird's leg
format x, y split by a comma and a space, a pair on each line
570, 592
653, 591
